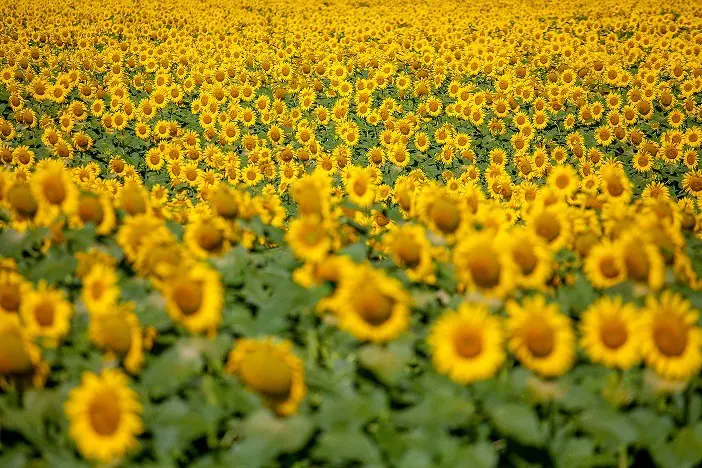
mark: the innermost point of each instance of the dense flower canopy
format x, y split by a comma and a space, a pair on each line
328, 233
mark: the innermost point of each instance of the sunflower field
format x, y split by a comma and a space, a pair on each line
343, 233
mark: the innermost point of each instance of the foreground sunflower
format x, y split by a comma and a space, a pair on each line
370, 305
409, 248
484, 265
117, 331
609, 333
100, 290
13, 289
46, 313
104, 415
194, 298
467, 345
540, 336
20, 358
270, 369
671, 339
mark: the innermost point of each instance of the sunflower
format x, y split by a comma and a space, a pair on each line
135, 229
564, 180
604, 265
207, 236
104, 415
47, 314
359, 186
531, 256
270, 369
309, 238
118, 332
134, 199
609, 333
311, 193
409, 247
467, 345
20, 358
443, 211
483, 265
100, 290
643, 260
370, 305
329, 269
551, 223
194, 298
671, 340
96, 209
540, 336
161, 256
614, 182
13, 289
54, 189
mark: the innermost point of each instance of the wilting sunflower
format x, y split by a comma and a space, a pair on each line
20, 358
467, 345
100, 291
540, 336
270, 369
47, 314
671, 339
604, 265
484, 265
370, 305
13, 289
104, 415
610, 333
309, 237
118, 332
409, 247
194, 298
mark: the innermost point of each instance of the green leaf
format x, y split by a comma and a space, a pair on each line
338, 447
175, 423
173, 369
517, 421
652, 428
609, 428
685, 451
285, 435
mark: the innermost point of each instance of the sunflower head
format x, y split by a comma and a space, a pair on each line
20, 358
467, 345
271, 370
118, 332
13, 289
671, 338
370, 305
194, 298
540, 336
47, 313
609, 333
105, 416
